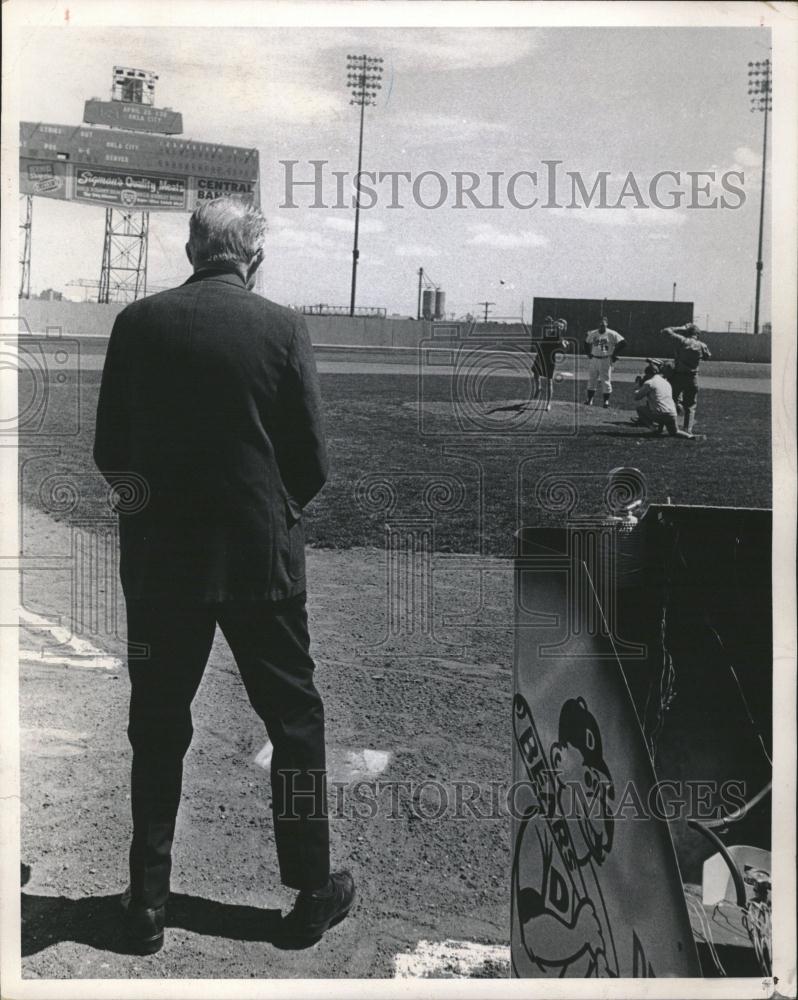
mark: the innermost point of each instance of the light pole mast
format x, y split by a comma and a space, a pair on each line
363, 79
759, 90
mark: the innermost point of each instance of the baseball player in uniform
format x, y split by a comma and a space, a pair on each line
548, 351
603, 347
689, 353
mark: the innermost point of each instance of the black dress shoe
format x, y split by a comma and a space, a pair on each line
143, 925
315, 912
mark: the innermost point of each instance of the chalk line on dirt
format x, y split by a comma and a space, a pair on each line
69, 650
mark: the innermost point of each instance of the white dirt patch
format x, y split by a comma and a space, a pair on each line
453, 960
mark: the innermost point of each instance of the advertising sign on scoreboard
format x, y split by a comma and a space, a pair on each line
206, 188
44, 179
140, 191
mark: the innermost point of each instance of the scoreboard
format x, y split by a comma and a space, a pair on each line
132, 170
137, 117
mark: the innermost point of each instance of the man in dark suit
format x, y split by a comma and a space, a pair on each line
210, 399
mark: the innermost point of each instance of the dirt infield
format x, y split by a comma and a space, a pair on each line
433, 711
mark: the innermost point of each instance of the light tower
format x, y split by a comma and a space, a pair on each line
363, 77
759, 90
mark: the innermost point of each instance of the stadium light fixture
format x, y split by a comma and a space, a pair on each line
760, 92
363, 78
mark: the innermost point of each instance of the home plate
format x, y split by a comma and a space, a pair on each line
343, 765
453, 960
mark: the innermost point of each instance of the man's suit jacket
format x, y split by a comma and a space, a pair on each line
210, 395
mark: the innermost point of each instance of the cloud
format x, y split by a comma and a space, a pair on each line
298, 102
428, 128
347, 225
489, 235
439, 50
415, 250
309, 242
744, 156
628, 216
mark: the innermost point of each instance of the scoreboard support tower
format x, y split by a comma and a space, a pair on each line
123, 277
24, 260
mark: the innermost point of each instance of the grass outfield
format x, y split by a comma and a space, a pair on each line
376, 434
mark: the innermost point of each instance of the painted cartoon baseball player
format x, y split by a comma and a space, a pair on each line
561, 842
603, 347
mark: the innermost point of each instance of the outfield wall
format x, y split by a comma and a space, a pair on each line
88, 319
91, 319
653, 344
724, 346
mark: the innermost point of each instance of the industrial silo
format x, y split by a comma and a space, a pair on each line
440, 304
428, 303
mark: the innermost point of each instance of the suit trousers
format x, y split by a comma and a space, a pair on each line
169, 644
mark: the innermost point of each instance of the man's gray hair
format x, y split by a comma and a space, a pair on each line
226, 230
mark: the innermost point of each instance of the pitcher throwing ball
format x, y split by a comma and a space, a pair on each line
548, 351
602, 347
688, 355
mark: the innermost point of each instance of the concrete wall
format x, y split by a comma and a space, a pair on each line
90, 319
72, 318
367, 332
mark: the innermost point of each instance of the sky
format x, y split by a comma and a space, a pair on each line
621, 100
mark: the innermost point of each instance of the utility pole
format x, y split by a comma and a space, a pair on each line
760, 91
487, 306
363, 79
673, 297
420, 282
